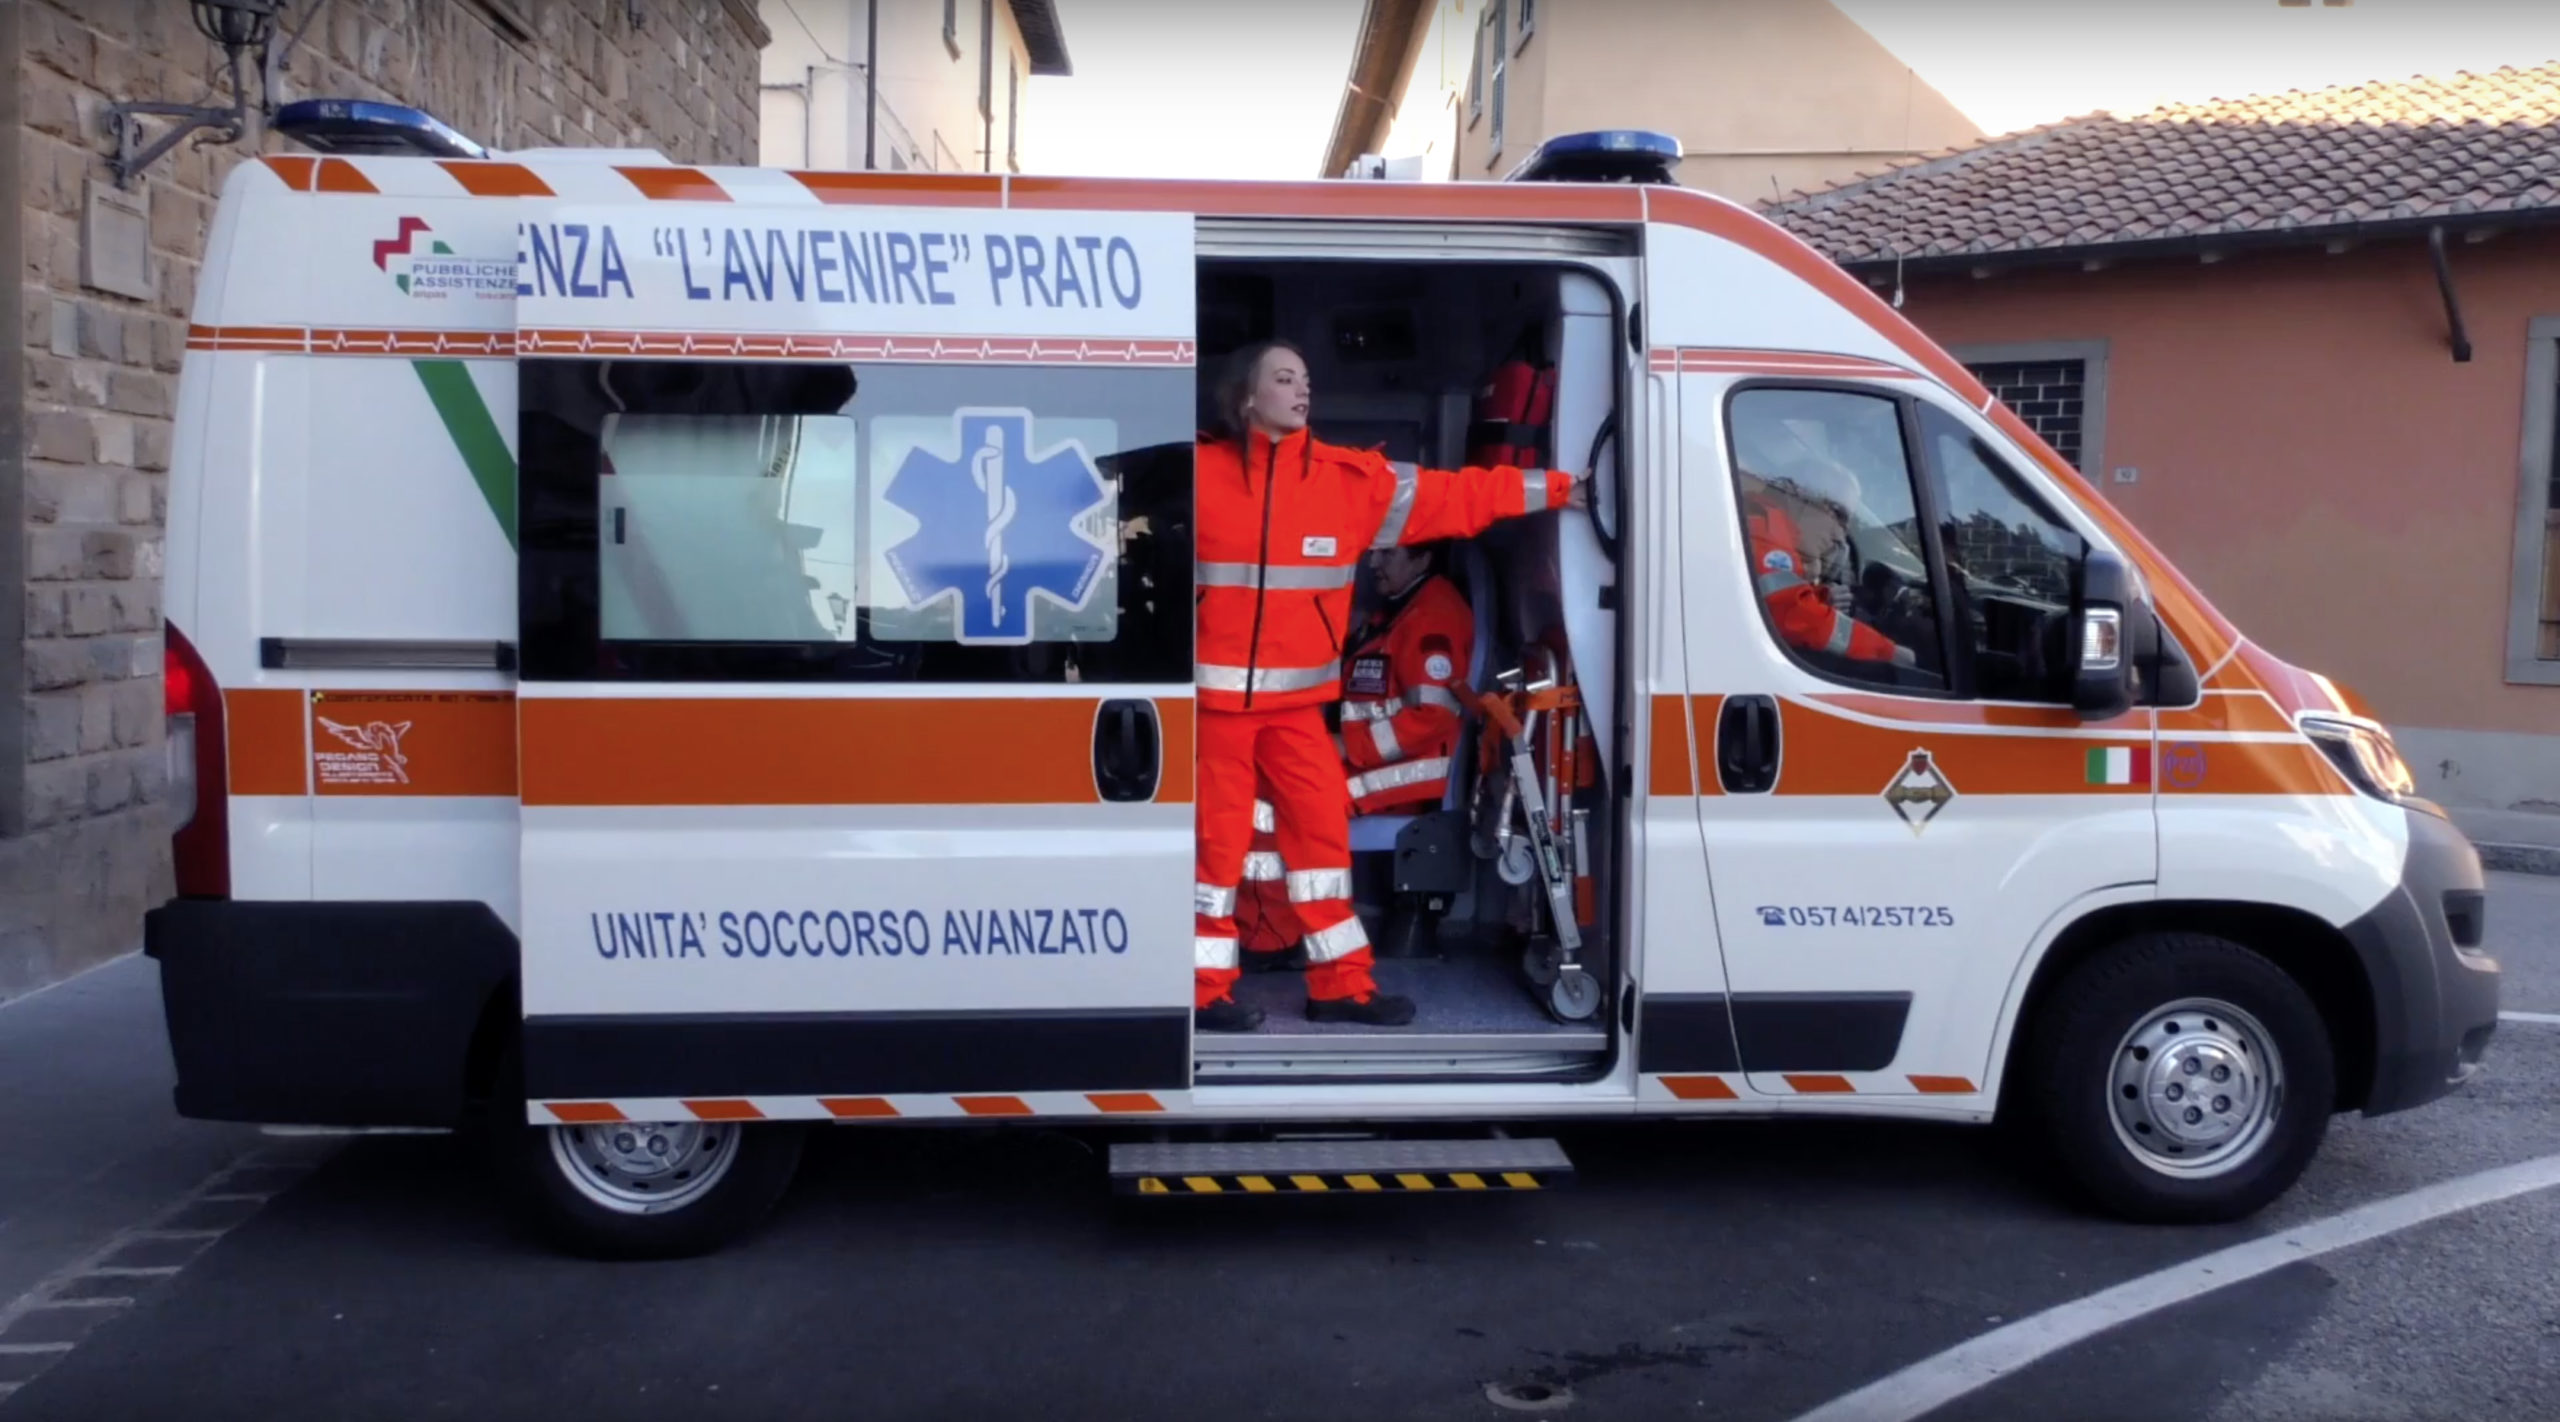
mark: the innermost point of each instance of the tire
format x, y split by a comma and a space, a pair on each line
710, 1183
2178, 1078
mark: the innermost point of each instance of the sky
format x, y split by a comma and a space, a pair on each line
1248, 88
2056, 58
1192, 88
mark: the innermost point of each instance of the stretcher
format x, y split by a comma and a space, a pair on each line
1525, 822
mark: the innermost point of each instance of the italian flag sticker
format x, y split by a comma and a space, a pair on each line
2120, 765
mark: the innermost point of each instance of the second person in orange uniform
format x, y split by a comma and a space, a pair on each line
1282, 521
1404, 689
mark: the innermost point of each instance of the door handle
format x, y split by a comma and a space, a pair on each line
1747, 749
1126, 762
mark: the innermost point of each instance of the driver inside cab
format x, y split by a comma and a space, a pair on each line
1798, 508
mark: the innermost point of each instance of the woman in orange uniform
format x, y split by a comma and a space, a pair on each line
1282, 522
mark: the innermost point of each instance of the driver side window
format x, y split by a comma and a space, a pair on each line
1833, 531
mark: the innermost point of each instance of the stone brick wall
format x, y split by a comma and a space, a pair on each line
87, 395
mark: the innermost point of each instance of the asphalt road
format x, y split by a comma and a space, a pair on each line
1739, 1271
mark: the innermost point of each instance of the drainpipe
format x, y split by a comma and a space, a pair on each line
2452, 301
804, 92
871, 86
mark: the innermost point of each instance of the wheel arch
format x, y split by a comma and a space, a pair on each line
2314, 953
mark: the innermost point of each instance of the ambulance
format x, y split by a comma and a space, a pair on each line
660, 656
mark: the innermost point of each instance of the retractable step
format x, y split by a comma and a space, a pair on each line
1355, 1167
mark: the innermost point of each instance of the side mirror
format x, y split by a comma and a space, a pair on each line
2114, 636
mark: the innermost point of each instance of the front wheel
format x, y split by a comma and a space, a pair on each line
2179, 1077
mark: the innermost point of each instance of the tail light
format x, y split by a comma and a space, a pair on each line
199, 782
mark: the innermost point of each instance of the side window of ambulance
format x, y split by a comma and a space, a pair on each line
2014, 567
802, 522
1832, 527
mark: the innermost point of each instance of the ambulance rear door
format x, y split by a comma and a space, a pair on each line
856, 661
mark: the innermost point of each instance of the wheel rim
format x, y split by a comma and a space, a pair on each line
645, 1167
2196, 1088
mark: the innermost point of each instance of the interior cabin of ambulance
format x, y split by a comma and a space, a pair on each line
1492, 910
796, 522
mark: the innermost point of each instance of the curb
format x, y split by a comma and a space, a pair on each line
2520, 858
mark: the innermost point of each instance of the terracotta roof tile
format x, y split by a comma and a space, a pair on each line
2298, 161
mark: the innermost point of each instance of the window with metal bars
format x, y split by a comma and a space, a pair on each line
2050, 395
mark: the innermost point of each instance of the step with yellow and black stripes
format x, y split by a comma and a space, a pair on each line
1337, 1167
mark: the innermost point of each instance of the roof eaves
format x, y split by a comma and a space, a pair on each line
2194, 244
1042, 36
1388, 44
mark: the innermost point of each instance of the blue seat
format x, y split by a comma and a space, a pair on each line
1371, 833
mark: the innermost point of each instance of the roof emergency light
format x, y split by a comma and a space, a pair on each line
1613, 155
366, 127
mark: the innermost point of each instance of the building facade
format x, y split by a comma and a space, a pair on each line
106, 275
1767, 96
2310, 342
901, 85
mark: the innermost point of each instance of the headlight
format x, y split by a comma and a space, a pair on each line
2365, 755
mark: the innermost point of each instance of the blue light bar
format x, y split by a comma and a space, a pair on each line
363, 126
1614, 155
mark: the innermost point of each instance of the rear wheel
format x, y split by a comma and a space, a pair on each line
644, 1189
2179, 1077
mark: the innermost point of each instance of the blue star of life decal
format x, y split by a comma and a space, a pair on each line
998, 526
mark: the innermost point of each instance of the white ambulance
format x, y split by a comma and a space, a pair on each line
659, 656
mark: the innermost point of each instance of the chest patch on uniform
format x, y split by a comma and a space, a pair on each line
1316, 548
1778, 561
1368, 676
1437, 667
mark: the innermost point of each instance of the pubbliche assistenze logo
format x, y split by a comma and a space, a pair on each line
429, 270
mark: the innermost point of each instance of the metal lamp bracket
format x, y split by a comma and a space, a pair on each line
239, 26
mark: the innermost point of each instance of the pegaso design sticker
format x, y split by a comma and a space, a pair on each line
1919, 791
999, 523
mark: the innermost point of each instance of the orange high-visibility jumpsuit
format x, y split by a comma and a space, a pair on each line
1402, 693
1801, 609
1280, 533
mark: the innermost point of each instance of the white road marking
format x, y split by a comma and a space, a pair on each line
47, 1292
2547, 1019
1977, 1363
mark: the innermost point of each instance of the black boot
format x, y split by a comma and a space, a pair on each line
1378, 1009
1226, 1015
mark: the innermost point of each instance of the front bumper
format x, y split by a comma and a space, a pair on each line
2435, 992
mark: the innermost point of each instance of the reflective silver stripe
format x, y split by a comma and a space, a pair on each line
1261, 866
1315, 578
1213, 677
1218, 953
1314, 886
1382, 734
1371, 710
1771, 584
1439, 696
1340, 941
1396, 777
1265, 819
1533, 490
1841, 627
1391, 532
1211, 901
